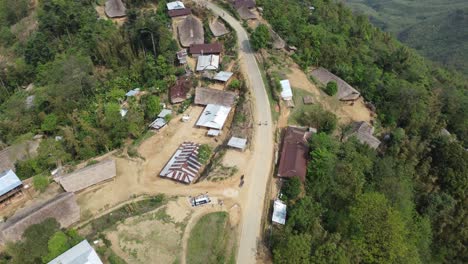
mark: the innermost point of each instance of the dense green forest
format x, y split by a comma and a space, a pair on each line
81, 67
436, 28
406, 202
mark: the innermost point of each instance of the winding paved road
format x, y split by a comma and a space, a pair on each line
260, 167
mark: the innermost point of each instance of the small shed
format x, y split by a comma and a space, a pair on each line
279, 212
208, 63
223, 76
115, 8
286, 91
213, 132
158, 123
164, 113
182, 56
308, 100
238, 143
82, 253
175, 5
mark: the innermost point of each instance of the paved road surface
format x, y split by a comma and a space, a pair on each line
260, 166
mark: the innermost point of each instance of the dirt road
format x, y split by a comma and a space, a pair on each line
260, 165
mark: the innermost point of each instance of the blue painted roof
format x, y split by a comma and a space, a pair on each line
8, 181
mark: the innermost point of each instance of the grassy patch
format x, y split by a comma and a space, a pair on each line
298, 95
273, 102
210, 240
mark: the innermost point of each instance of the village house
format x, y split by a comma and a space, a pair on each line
179, 91
205, 49
363, 131
184, 165
88, 176
218, 28
238, 143
62, 207
244, 8
294, 152
279, 212
191, 31
179, 12
345, 91
205, 96
161, 120
207, 63
214, 116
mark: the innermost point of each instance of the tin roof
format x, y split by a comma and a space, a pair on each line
8, 181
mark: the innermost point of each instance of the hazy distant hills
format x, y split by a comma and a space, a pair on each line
438, 29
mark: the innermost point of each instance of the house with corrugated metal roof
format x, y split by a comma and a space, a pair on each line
184, 165
10, 185
82, 253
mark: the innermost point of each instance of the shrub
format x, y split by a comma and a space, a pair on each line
331, 89
292, 188
204, 153
40, 182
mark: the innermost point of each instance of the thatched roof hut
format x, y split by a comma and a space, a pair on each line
62, 207
179, 91
88, 176
345, 91
205, 96
218, 28
363, 131
115, 8
278, 42
245, 13
191, 31
246, 3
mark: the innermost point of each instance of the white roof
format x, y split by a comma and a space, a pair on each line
164, 113
8, 181
286, 92
214, 116
133, 92
123, 112
223, 76
236, 142
208, 62
82, 253
279, 212
214, 132
175, 5
158, 123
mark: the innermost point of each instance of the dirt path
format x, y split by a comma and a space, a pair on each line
260, 166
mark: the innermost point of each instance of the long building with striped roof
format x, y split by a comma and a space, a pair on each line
184, 165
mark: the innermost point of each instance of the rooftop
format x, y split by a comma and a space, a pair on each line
279, 212
363, 131
175, 5
209, 48
164, 113
62, 207
295, 148
8, 181
179, 12
223, 76
245, 13
345, 91
88, 176
133, 92
178, 92
115, 8
236, 142
246, 3
286, 91
82, 253
205, 96
218, 28
191, 31
208, 63
183, 165
214, 116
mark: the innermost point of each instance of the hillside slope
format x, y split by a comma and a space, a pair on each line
436, 28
